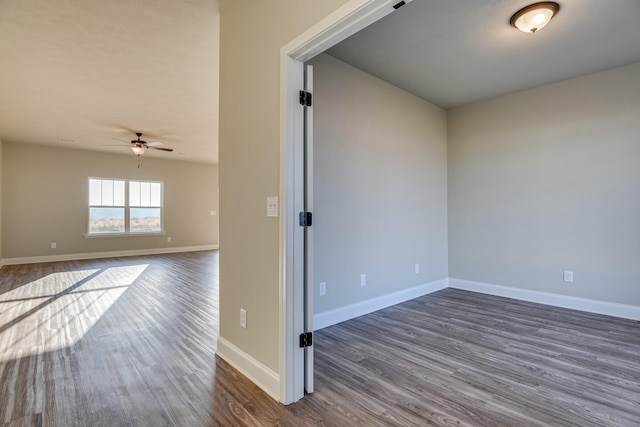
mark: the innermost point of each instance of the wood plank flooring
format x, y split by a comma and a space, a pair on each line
131, 342
128, 341
457, 357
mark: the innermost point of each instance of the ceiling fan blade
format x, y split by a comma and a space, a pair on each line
159, 148
155, 144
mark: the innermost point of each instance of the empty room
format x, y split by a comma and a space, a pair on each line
469, 210
347, 212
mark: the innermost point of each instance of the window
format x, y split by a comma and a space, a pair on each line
118, 206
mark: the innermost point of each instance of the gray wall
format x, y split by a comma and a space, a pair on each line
380, 186
548, 180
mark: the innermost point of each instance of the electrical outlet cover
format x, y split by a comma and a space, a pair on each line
243, 318
568, 276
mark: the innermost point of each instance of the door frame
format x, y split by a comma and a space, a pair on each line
347, 20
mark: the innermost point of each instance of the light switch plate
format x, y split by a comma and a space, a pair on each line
272, 206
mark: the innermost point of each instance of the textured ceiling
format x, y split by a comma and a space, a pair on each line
454, 52
81, 73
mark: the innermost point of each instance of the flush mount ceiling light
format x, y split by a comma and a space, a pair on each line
535, 16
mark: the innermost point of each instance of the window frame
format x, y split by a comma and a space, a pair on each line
127, 209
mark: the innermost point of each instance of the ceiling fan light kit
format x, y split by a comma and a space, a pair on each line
534, 17
138, 146
137, 149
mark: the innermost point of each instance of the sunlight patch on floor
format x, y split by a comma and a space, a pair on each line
57, 310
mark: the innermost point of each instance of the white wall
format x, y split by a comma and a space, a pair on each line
548, 180
45, 195
380, 186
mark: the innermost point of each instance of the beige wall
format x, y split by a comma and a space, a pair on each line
45, 200
251, 35
548, 180
380, 186
1, 148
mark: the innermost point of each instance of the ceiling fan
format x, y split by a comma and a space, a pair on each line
139, 146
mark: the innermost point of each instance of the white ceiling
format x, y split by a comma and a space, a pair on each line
454, 52
80, 73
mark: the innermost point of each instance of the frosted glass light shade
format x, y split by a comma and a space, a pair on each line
138, 149
534, 17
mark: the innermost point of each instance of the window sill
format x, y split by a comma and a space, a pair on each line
101, 235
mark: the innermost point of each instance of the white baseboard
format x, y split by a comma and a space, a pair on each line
332, 317
259, 374
583, 304
110, 254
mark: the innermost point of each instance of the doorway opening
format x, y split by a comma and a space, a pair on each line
344, 22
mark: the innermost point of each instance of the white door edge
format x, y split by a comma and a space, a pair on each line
309, 284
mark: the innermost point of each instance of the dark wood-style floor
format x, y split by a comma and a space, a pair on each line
131, 342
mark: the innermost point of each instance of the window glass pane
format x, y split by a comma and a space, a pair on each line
134, 193
145, 194
107, 204
107, 192
145, 220
155, 194
106, 220
118, 193
95, 192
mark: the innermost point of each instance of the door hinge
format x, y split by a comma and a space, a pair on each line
399, 5
306, 218
305, 98
306, 339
